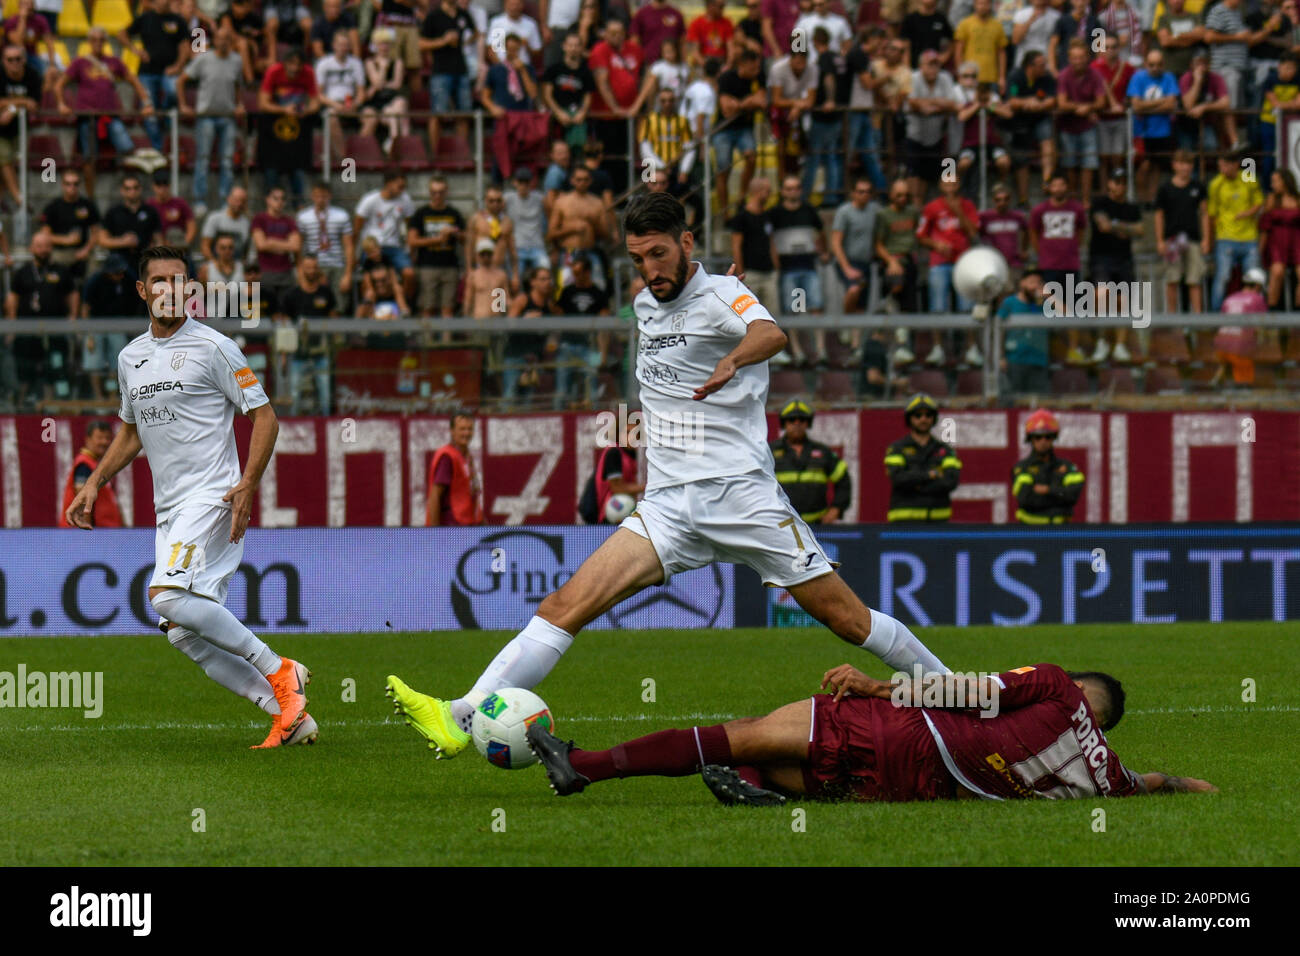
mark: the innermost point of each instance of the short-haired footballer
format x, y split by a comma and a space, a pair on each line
181, 383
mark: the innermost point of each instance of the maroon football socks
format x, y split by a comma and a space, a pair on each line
668, 753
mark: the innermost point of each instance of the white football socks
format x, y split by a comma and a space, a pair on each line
524, 662
892, 641
233, 673
218, 626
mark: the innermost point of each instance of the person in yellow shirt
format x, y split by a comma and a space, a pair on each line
1234, 205
982, 39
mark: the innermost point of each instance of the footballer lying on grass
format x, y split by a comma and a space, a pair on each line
873, 740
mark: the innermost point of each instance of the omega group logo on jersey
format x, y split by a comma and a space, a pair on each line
654, 344
155, 388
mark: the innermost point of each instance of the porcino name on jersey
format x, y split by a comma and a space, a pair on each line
1093, 745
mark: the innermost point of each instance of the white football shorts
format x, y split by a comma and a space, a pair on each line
742, 519
193, 551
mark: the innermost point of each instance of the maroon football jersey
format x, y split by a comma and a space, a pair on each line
1045, 742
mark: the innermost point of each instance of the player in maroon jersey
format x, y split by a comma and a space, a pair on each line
865, 740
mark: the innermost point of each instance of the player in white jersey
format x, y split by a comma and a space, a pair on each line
180, 384
711, 491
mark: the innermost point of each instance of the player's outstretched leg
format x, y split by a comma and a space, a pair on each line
554, 756
432, 718
830, 600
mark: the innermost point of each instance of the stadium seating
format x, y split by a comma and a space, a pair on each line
42, 146
453, 155
1169, 346
410, 154
1117, 380
1161, 380
365, 150
1070, 381
836, 388
928, 380
786, 384
970, 381
72, 20
113, 15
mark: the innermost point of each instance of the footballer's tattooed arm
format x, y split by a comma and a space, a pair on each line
1163, 783
762, 340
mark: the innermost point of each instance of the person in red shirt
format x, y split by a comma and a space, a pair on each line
709, 34
1025, 733
178, 224
455, 493
107, 514
1112, 124
654, 23
289, 101
949, 225
277, 240
616, 63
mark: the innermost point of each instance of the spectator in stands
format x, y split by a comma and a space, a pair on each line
1234, 204
288, 23
930, 105
130, 227
666, 145
590, 27
853, 247
981, 38
486, 285
1179, 34
752, 249
778, 18
110, 293
1033, 27
1153, 96
896, 246
223, 269
669, 72
450, 85
178, 226
1116, 222
513, 22
893, 88
839, 35
1046, 487
1119, 19
289, 101
1112, 120
308, 297
699, 106
1182, 230
925, 28
1025, 358
383, 214
1056, 226
526, 212
247, 31
491, 222
923, 471
341, 78
31, 31
815, 479
579, 222
382, 299
1080, 97
616, 63
1280, 228
1006, 230
385, 87
435, 233
748, 34
800, 242
21, 90
218, 74
572, 351
277, 242
162, 43
556, 178
792, 85
593, 157
524, 351
334, 19
1281, 91
94, 76
567, 89
1281, 24
455, 491
864, 136
1229, 40
978, 102
230, 221
949, 224
558, 18
709, 34
107, 513
1206, 121
742, 96
1077, 23
1235, 345
72, 222
1031, 94
40, 290
826, 129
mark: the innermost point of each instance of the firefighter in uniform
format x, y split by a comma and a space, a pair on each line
1046, 487
814, 478
924, 471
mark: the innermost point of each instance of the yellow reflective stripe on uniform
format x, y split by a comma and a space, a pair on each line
1020, 482
895, 460
1073, 478
952, 461
802, 477
1026, 518
812, 517
840, 471
919, 514
784, 477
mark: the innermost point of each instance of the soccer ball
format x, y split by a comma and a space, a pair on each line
618, 507
501, 722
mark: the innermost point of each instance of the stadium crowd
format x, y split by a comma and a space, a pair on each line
890, 120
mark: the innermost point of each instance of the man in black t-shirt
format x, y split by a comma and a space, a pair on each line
826, 131
434, 232
751, 244
574, 352
799, 238
1031, 94
39, 290
161, 39
110, 294
72, 221
927, 29
131, 226
442, 34
334, 18
312, 297
1115, 224
1182, 227
20, 86
742, 96
567, 87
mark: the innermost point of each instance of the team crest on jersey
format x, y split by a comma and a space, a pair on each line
177, 361
679, 320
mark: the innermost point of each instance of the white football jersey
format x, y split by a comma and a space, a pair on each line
679, 345
181, 394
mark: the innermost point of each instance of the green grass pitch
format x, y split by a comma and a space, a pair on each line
123, 789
